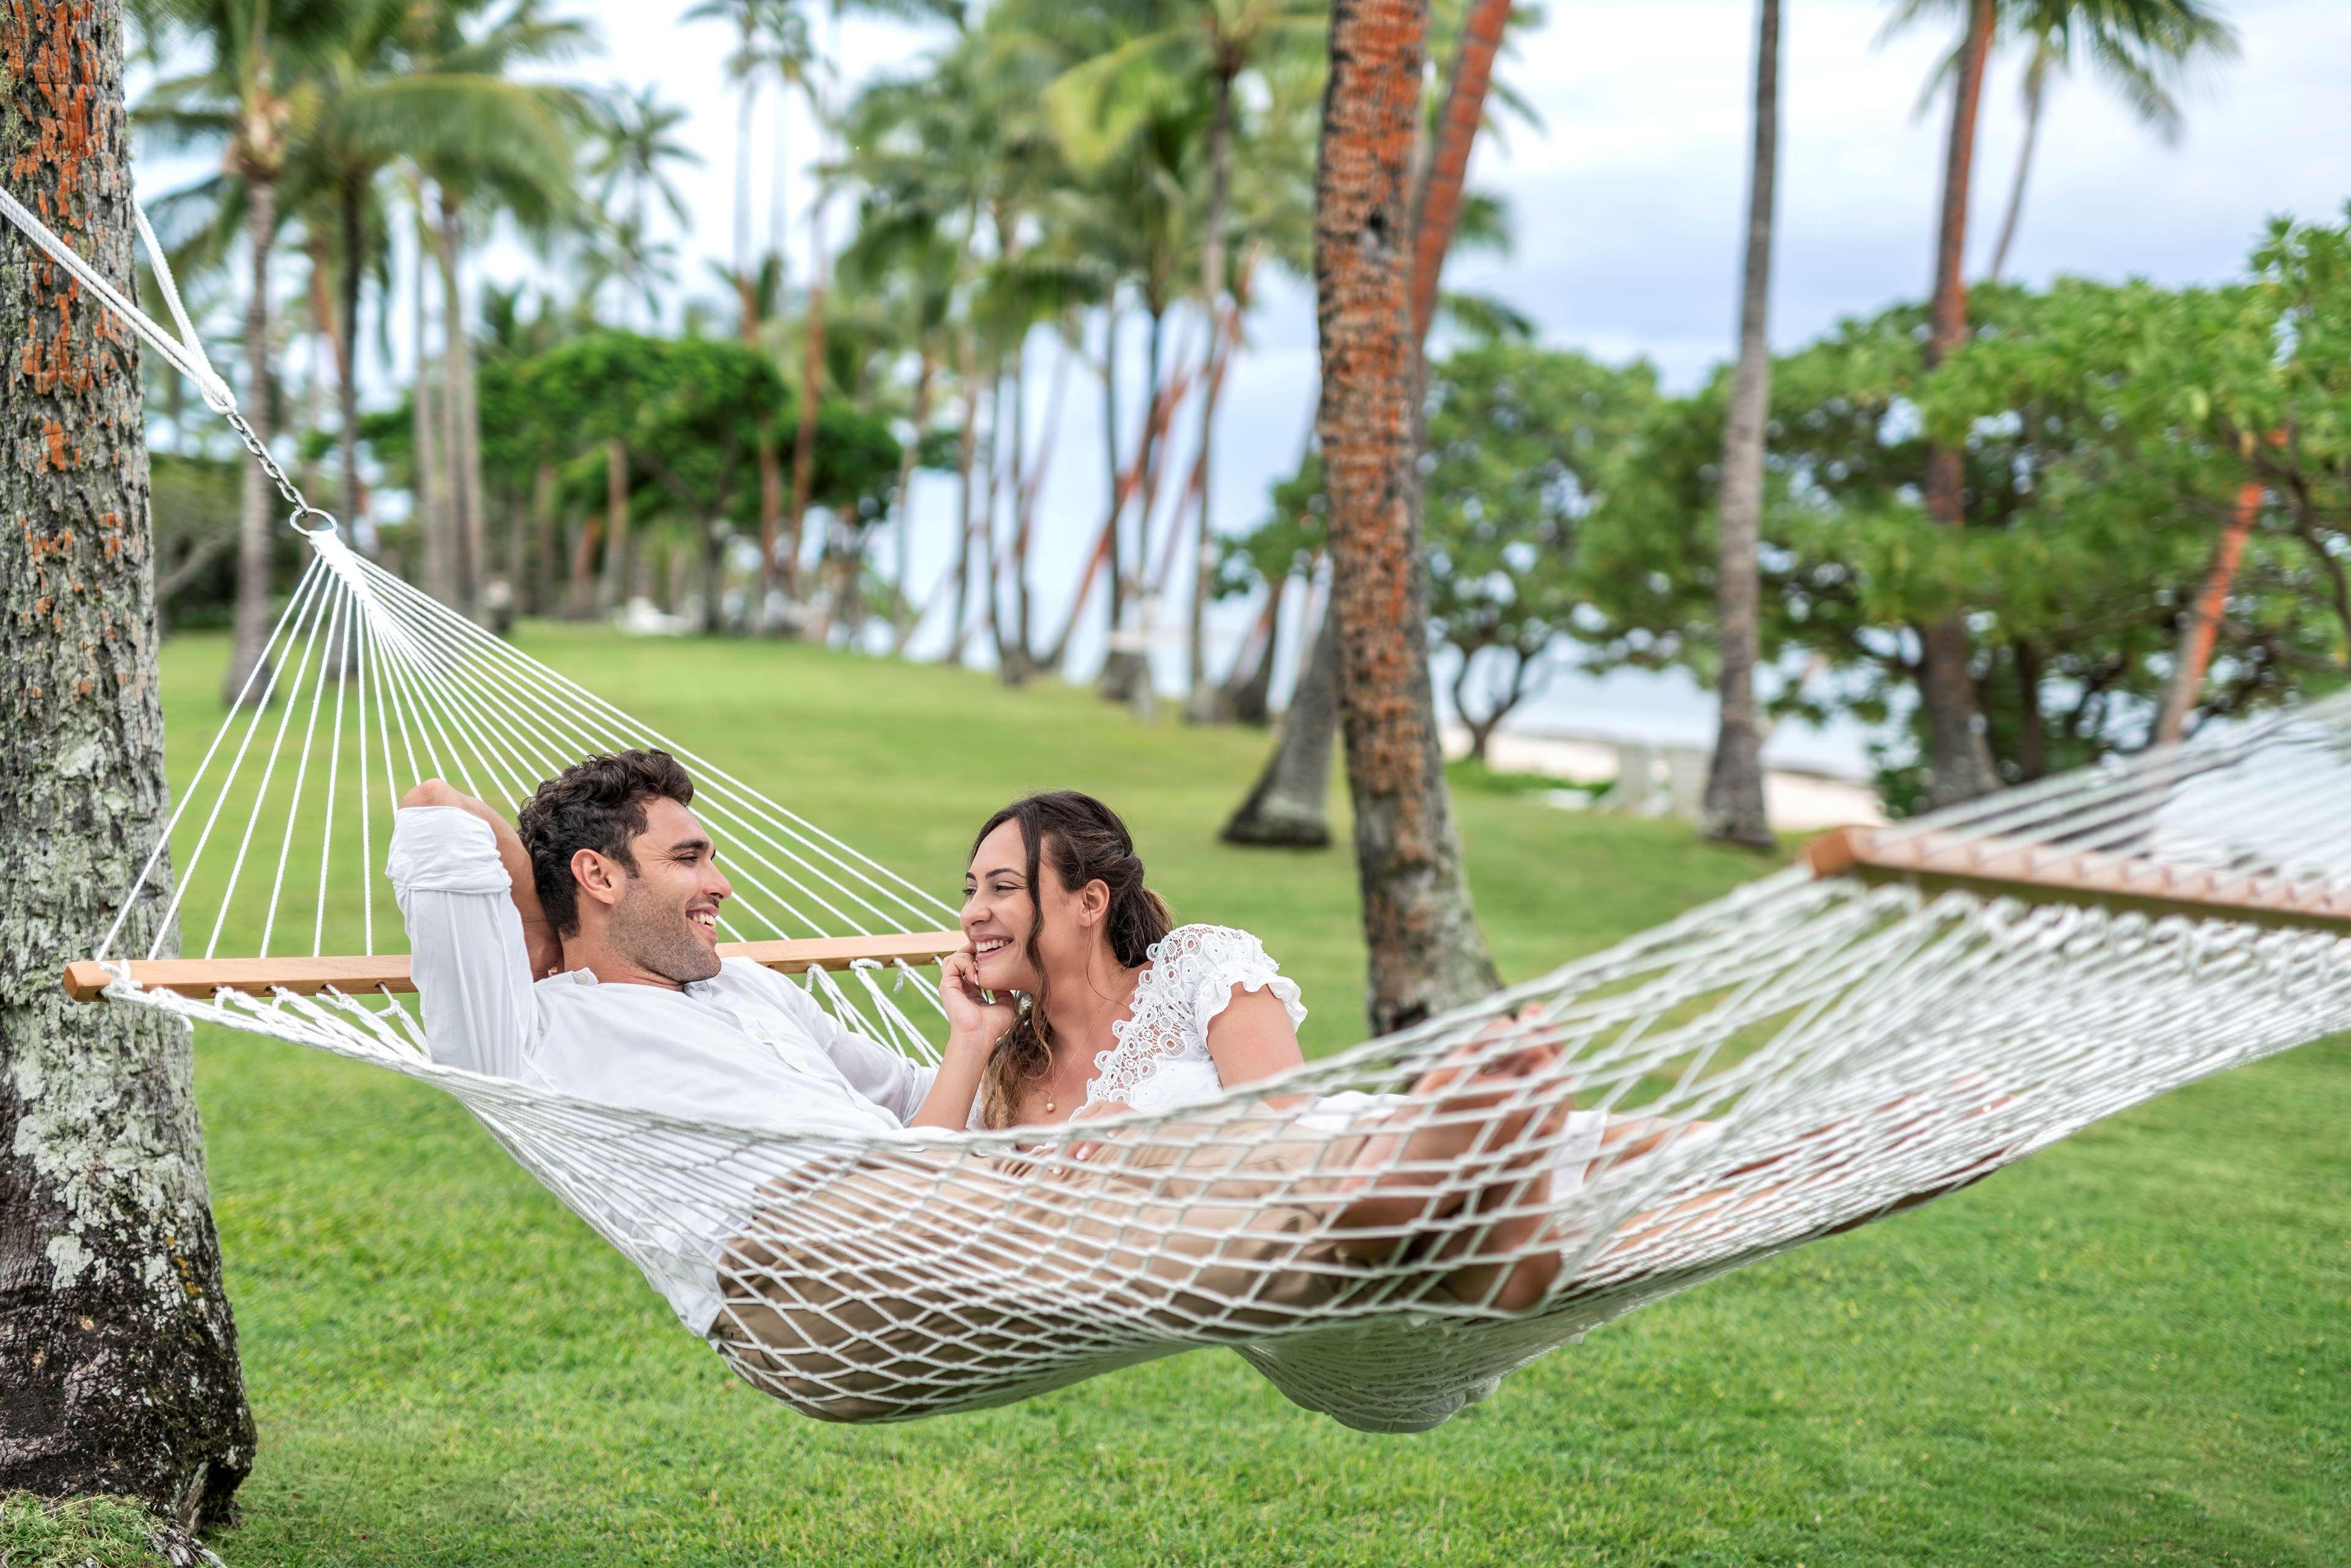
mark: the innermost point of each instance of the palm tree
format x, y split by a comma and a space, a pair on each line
254, 91
511, 159
1288, 804
2143, 49
404, 81
772, 40
1733, 808
635, 149
1426, 952
1175, 46
1957, 754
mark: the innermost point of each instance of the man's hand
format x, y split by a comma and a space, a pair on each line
538, 938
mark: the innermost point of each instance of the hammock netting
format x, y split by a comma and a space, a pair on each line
1792, 1059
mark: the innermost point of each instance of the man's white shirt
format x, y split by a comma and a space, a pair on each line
745, 1048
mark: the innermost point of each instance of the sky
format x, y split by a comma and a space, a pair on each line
1628, 208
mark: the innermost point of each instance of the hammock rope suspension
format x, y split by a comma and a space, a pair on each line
1919, 1006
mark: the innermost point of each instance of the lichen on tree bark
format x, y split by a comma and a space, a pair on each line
118, 1354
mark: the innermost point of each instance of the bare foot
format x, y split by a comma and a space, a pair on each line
1470, 1116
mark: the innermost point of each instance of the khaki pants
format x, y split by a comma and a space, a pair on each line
899, 1283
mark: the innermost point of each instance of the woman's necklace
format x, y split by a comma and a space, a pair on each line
1051, 1094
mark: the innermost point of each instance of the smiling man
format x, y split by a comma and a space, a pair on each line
582, 954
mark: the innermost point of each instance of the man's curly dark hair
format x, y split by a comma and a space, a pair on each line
597, 804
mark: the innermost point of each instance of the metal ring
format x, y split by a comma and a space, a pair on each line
303, 509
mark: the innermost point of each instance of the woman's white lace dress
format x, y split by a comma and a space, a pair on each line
1159, 1060
1159, 1056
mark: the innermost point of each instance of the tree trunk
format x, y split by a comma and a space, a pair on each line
1426, 953
351, 199
534, 548
119, 1350
902, 500
967, 458
1115, 611
1465, 109
256, 517
1288, 807
2202, 627
1732, 812
432, 530
713, 578
1248, 694
1204, 700
1958, 755
461, 421
812, 379
1126, 671
2032, 737
1437, 209
612, 586
2036, 82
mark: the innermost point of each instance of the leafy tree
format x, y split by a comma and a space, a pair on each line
1520, 441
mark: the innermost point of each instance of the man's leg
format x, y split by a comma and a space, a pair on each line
919, 1280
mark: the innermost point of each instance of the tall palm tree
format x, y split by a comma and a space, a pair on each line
1175, 46
1426, 952
635, 149
253, 91
404, 81
2144, 49
1957, 754
1733, 810
512, 159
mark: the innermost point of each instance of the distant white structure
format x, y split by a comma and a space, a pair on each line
1651, 780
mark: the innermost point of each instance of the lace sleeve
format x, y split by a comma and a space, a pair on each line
1161, 1049
1227, 960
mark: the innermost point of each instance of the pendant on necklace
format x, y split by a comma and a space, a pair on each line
1048, 1107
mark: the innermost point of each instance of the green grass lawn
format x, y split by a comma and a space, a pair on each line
2135, 1348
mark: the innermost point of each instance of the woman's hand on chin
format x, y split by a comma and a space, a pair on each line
975, 1020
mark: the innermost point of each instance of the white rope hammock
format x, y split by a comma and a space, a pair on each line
1918, 1007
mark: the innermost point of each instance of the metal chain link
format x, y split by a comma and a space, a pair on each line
286, 486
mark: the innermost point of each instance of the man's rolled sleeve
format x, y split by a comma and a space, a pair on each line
464, 936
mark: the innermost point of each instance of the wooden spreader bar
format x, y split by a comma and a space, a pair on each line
2053, 874
87, 978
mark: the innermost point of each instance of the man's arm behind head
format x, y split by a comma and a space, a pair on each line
545, 946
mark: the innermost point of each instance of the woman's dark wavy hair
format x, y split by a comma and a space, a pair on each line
597, 804
1084, 842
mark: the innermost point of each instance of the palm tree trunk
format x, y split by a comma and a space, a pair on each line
2202, 628
2035, 84
432, 502
1126, 671
967, 457
1203, 702
1112, 471
352, 202
118, 1347
256, 516
812, 379
902, 498
1289, 805
1248, 693
1958, 756
461, 419
612, 586
744, 288
1426, 952
1732, 810
535, 546
1465, 109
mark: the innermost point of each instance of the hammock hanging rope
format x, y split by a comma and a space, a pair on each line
1912, 1008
